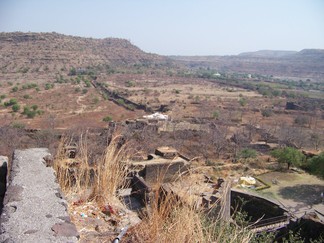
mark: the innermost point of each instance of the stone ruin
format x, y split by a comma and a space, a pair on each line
165, 165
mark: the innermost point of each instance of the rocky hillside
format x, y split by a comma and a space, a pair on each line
308, 63
267, 53
45, 52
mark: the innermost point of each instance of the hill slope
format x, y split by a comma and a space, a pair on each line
308, 63
33, 52
267, 53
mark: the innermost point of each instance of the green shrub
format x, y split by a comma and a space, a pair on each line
24, 70
29, 86
87, 83
31, 114
26, 96
72, 71
121, 101
107, 119
40, 112
243, 101
11, 102
34, 107
266, 112
49, 86
14, 89
247, 153
315, 165
18, 125
216, 115
15, 107
26, 110
130, 84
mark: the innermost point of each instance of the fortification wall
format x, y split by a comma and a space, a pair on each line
34, 208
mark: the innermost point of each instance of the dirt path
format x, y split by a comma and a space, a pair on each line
82, 106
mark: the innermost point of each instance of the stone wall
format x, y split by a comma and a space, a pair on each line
34, 208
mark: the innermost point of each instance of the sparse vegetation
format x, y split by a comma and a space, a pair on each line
11, 102
243, 101
72, 71
29, 86
301, 120
216, 115
266, 112
14, 89
32, 111
18, 125
95, 100
49, 86
87, 83
227, 122
121, 101
247, 154
130, 83
15, 107
107, 119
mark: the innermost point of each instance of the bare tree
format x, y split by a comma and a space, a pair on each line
240, 140
268, 133
292, 136
316, 139
252, 126
219, 138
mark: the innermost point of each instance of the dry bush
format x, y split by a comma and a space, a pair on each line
170, 220
111, 171
102, 178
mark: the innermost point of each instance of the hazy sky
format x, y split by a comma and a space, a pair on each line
177, 27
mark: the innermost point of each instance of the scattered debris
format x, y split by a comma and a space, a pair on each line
157, 116
247, 181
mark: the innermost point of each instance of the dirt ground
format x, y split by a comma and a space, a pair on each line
298, 192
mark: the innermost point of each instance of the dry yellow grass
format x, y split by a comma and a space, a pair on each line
168, 219
103, 178
171, 220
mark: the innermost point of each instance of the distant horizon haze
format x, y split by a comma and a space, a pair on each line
184, 28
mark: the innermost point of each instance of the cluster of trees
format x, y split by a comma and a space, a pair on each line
292, 156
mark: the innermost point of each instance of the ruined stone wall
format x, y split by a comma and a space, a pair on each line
167, 172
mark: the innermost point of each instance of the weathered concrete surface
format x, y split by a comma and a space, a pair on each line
3, 178
34, 209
